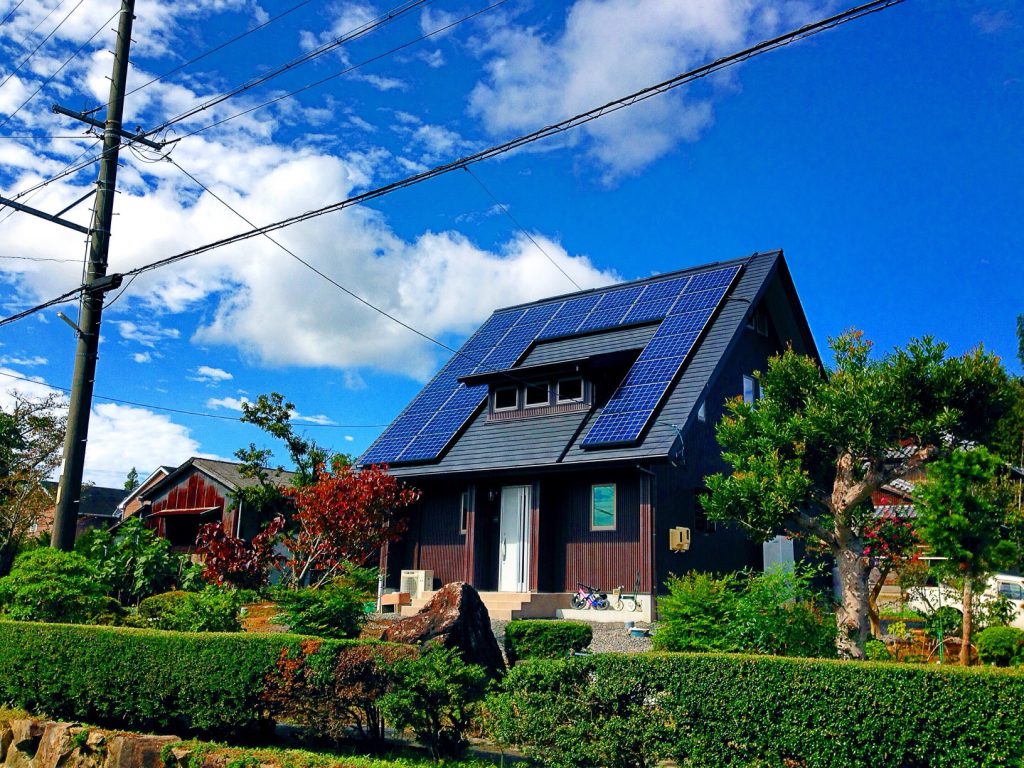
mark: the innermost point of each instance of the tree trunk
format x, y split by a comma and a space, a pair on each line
852, 614
874, 590
965, 645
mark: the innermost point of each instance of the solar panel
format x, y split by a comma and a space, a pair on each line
631, 406
683, 304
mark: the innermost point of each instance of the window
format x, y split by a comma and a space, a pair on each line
506, 398
1011, 591
570, 390
701, 524
602, 507
751, 390
464, 512
537, 394
702, 414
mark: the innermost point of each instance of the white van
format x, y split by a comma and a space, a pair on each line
1010, 586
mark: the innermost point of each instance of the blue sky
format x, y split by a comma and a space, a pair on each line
884, 157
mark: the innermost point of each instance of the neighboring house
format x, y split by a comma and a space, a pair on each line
197, 492
569, 436
97, 508
131, 504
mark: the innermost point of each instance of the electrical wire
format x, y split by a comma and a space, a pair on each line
41, 43
40, 258
213, 50
40, 137
48, 80
8, 16
353, 34
342, 72
204, 414
499, 149
521, 228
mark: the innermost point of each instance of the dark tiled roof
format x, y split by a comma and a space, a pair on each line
96, 500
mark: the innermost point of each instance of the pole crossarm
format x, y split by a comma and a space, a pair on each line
138, 138
44, 215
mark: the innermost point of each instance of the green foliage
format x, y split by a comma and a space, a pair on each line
708, 710
50, 585
212, 610
131, 480
147, 680
1001, 646
335, 610
877, 651
961, 508
946, 620
133, 562
436, 695
545, 639
190, 575
776, 612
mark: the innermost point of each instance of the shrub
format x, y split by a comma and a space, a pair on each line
212, 610
1001, 646
335, 701
877, 651
776, 612
331, 611
946, 620
436, 695
148, 680
50, 585
545, 639
132, 561
704, 710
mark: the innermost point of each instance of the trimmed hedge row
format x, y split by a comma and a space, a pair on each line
545, 639
142, 679
622, 711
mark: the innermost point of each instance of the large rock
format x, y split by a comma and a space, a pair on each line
455, 618
132, 751
24, 743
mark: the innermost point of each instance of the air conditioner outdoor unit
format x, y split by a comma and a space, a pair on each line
417, 582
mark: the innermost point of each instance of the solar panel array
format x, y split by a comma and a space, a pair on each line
684, 305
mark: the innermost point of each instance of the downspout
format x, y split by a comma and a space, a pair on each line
651, 486
238, 520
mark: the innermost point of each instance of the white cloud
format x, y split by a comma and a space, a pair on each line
142, 357
349, 438
206, 373
608, 49
25, 361
146, 334
231, 403
120, 436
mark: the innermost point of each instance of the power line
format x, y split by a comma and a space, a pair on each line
342, 72
215, 49
521, 228
40, 136
182, 411
360, 31
39, 258
41, 43
8, 16
499, 149
48, 80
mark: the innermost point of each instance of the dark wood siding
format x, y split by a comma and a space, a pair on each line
434, 541
193, 492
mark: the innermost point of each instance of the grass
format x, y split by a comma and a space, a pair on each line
205, 753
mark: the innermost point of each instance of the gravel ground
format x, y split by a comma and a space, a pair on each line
608, 638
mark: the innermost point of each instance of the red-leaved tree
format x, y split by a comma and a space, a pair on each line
345, 516
229, 560
891, 542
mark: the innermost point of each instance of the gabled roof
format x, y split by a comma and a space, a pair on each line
227, 473
156, 475
700, 327
96, 500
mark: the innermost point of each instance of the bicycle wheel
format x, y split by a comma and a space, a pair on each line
577, 602
618, 605
600, 604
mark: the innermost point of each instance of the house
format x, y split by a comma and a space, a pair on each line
200, 491
131, 504
97, 508
568, 439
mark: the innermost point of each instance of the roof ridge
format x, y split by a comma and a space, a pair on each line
651, 279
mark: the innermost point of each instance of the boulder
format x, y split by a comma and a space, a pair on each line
132, 751
455, 618
56, 745
25, 737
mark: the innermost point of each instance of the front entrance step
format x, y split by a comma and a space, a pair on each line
505, 606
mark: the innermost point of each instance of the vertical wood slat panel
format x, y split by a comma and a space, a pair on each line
442, 547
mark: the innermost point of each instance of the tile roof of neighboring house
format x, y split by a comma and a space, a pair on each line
96, 500
226, 472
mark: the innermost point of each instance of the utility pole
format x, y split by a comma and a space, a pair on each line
97, 283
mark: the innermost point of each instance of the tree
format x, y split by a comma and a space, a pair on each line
808, 455
31, 438
131, 482
273, 415
133, 562
344, 517
962, 509
231, 561
891, 543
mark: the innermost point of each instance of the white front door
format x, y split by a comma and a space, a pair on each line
514, 541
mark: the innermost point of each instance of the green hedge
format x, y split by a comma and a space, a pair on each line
187, 684
1001, 646
715, 710
543, 639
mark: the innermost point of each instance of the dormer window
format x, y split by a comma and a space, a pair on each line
537, 395
570, 390
506, 398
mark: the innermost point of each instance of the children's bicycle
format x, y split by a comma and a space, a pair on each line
588, 597
629, 602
